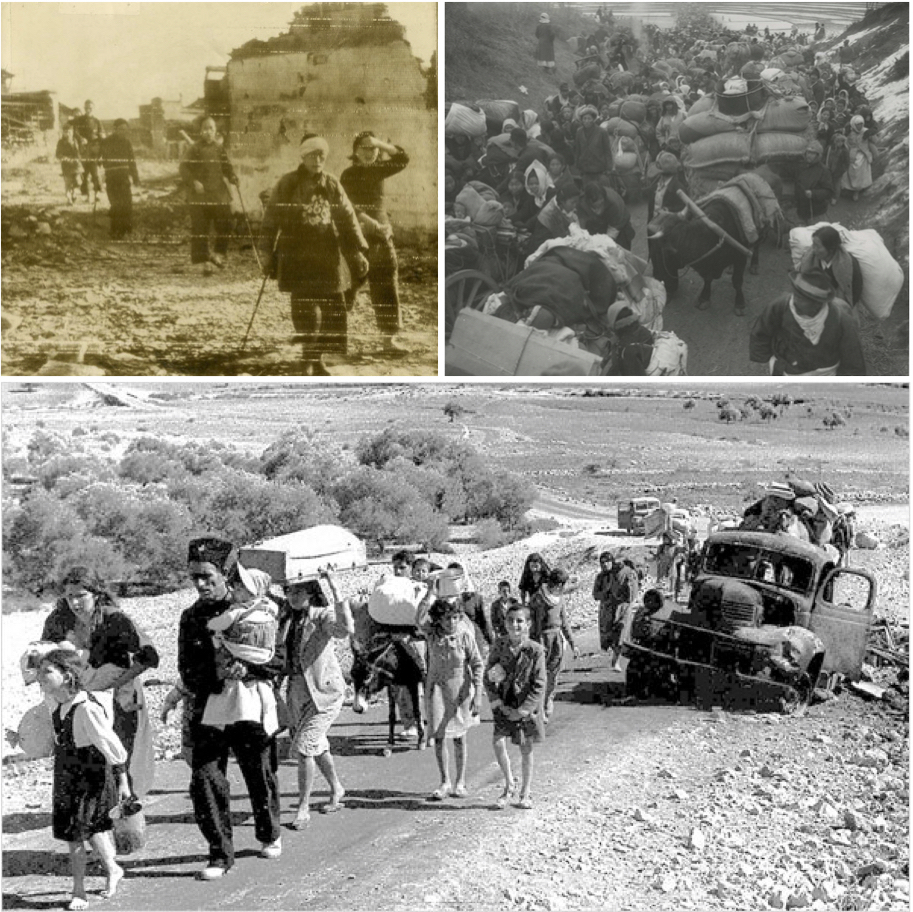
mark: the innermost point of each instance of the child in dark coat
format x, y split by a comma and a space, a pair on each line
90, 775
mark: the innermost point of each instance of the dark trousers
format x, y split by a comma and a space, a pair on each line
120, 197
90, 169
322, 324
203, 217
210, 790
383, 275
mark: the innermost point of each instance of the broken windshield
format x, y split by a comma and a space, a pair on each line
751, 563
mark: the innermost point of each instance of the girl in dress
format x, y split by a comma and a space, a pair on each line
515, 681
90, 776
452, 687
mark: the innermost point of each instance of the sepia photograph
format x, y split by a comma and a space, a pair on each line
219, 189
435, 646
661, 189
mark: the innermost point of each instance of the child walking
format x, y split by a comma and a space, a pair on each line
452, 687
515, 680
90, 775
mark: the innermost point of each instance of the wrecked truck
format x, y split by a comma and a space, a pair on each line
770, 618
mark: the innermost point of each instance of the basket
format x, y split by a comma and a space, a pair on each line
129, 825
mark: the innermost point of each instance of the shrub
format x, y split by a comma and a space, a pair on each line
489, 534
833, 421
301, 456
689, 404
382, 507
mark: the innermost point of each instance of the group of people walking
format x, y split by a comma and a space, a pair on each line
322, 238
252, 664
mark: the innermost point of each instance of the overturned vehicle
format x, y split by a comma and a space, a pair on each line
770, 618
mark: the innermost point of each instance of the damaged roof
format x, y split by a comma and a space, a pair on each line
322, 27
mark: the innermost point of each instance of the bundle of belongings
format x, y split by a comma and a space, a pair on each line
569, 283
882, 275
752, 200
476, 209
800, 508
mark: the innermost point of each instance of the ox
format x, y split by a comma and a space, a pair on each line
677, 242
385, 666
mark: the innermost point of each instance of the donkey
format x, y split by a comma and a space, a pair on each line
384, 666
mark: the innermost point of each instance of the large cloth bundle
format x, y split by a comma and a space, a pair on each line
465, 120
621, 79
779, 147
634, 111
496, 112
785, 115
703, 124
587, 72
571, 284
624, 127
704, 103
724, 148
394, 600
882, 276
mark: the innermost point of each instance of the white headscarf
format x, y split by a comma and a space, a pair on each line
545, 181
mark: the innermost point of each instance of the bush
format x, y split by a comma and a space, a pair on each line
303, 457
383, 508
689, 404
489, 534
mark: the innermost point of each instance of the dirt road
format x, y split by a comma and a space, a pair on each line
137, 307
388, 840
718, 339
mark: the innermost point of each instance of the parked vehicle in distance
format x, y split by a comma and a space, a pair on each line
631, 513
769, 618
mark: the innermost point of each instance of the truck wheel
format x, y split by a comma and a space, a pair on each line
637, 678
795, 701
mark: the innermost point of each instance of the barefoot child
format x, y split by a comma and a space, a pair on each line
90, 776
515, 681
452, 687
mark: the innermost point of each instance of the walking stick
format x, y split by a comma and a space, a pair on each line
250, 230
259, 296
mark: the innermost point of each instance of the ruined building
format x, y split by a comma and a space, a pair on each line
341, 68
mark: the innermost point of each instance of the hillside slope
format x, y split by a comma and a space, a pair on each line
490, 50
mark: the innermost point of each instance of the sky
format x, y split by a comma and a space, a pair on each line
122, 55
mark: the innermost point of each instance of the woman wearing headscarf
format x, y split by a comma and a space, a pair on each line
672, 118
537, 182
545, 36
309, 230
116, 652
861, 151
374, 161
814, 185
827, 253
534, 573
519, 206
550, 628
603, 211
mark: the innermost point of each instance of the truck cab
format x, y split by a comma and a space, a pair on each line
767, 612
632, 512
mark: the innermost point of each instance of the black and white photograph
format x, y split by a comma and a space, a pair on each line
662, 189
436, 646
219, 189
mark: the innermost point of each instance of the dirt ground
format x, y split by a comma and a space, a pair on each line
635, 806
76, 302
718, 339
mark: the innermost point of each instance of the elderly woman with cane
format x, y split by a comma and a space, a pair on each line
309, 229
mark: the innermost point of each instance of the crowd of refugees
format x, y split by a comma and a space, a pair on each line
253, 663
611, 135
322, 238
